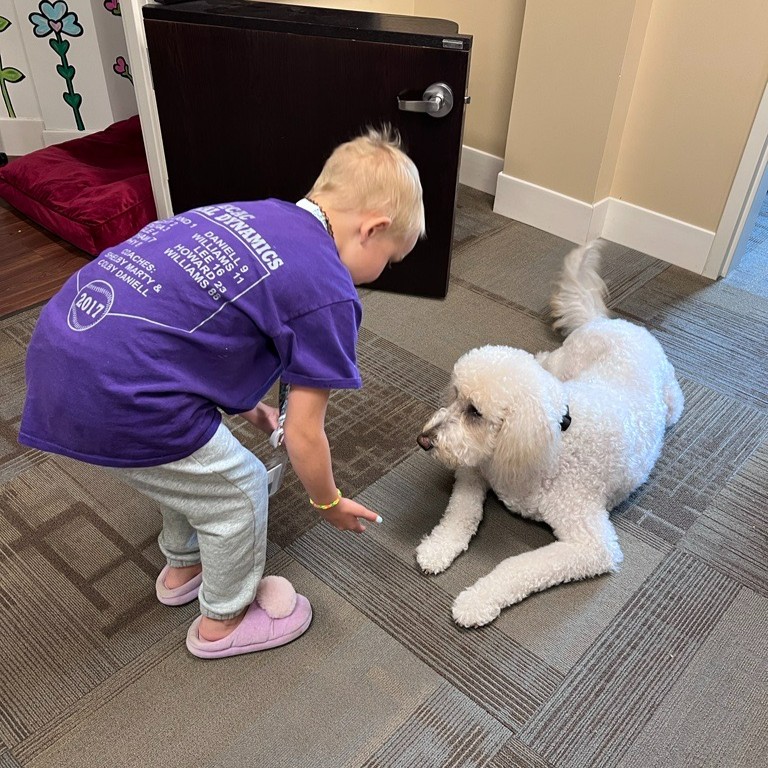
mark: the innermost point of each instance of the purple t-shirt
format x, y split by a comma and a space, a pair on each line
130, 361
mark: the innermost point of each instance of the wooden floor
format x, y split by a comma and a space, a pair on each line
33, 262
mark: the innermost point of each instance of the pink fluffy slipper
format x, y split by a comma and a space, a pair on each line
182, 595
277, 616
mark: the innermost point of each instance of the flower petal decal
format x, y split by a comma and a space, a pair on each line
56, 18
54, 11
42, 27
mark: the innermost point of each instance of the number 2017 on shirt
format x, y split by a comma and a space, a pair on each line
89, 305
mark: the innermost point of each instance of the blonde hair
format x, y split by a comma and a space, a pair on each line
373, 174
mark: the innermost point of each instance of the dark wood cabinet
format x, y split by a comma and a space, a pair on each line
252, 97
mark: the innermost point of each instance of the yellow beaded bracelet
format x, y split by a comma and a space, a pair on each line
327, 506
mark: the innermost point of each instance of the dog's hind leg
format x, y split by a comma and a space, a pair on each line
592, 551
451, 536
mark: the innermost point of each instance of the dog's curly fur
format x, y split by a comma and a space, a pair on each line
503, 429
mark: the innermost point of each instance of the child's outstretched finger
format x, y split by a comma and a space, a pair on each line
371, 517
365, 514
350, 515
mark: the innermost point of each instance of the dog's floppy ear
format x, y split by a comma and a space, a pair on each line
525, 444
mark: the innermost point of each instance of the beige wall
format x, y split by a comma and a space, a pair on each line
496, 27
668, 135
624, 91
571, 59
702, 73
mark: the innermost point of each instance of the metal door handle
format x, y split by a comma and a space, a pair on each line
437, 101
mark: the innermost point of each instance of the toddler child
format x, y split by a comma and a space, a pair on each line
133, 360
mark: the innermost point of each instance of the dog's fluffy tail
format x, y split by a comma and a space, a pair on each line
579, 295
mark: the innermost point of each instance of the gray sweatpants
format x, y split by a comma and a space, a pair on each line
214, 506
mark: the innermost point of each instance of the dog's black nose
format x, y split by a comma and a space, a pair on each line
424, 442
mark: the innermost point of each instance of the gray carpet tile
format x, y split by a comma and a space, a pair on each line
731, 535
47, 742
474, 216
447, 731
714, 334
16, 330
57, 519
645, 530
514, 241
516, 754
561, 624
33, 691
7, 760
625, 270
524, 271
557, 625
62, 720
713, 438
491, 669
351, 687
385, 361
369, 686
594, 716
440, 331
714, 715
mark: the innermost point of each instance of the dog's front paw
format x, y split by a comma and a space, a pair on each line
474, 607
433, 555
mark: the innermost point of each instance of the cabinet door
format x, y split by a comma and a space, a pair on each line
252, 97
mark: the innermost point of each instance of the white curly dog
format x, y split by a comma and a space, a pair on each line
561, 437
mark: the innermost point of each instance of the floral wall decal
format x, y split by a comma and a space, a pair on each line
57, 19
8, 74
121, 68
113, 6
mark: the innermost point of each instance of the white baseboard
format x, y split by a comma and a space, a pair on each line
543, 208
479, 169
660, 236
57, 137
20, 136
599, 215
665, 238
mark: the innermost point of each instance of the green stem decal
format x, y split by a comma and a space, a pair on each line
7, 99
68, 73
55, 17
8, 75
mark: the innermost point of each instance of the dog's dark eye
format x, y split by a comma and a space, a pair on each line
472, 412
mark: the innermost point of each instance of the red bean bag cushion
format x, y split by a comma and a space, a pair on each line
93, 191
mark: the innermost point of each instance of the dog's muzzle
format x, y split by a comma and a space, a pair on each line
424, 441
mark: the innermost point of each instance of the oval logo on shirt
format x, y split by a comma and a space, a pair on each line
91, 305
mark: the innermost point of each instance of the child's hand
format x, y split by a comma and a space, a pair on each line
345, 514
263, 417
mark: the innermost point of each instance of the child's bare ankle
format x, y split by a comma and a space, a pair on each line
216, 629
175, 577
